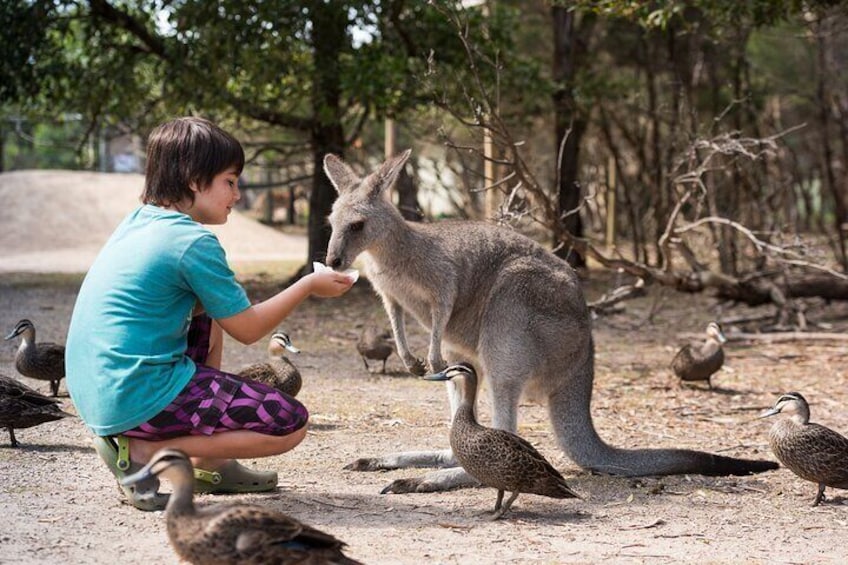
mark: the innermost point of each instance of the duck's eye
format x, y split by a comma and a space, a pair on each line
356, 226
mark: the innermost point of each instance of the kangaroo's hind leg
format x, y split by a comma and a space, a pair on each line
505, 395
449, 475
411, 459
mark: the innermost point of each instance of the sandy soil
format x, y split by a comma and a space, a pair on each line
57, 221
61, 505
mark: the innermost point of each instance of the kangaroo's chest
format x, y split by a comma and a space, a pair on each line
403, 288
420, 294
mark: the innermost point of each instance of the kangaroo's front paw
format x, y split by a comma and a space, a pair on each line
417, 367
367, 464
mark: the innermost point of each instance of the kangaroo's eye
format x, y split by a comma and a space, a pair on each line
356, 226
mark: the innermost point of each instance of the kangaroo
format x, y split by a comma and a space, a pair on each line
500, 300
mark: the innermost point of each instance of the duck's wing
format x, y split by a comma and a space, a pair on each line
495, 448
530, 455
823, 453
53, 355
683, 358
257, 527
12, 389
257, 372
698, 362
23, 407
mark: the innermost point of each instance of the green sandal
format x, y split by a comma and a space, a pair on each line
233, 477
115, 452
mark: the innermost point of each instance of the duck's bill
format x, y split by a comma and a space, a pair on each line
442, 376
137, 477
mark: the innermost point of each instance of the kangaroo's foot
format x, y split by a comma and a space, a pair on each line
415, 366
436, 481
404, 460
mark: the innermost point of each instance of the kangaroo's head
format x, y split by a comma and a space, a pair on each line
363, 214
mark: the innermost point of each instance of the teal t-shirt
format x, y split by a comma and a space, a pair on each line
125, 352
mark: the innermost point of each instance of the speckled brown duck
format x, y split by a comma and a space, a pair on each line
233, 534
375, 344
811, 451
497, 458
24, 407
43, 361
698, 362
278, 372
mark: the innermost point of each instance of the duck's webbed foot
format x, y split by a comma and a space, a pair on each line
436, 481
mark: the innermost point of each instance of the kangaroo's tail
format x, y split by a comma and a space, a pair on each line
572, 421
640, 462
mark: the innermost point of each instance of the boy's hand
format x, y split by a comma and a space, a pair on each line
318, 267
329, 284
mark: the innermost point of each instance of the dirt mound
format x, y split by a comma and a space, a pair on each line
57, 221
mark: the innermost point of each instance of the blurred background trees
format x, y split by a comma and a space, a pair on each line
698, 144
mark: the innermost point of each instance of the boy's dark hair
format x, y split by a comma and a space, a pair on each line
185, 151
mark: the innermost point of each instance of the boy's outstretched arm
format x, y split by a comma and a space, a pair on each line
261, 319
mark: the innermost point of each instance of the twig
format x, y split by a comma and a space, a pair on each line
456, 526
654, 524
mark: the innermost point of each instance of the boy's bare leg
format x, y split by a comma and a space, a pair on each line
216, 346
210, 452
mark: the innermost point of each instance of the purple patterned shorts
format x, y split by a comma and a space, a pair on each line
214, 401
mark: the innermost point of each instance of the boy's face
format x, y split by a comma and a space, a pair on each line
213, 204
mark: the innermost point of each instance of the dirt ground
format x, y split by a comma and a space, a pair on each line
61, 505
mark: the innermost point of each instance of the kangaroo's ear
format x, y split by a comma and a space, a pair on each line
340, 174
388, 172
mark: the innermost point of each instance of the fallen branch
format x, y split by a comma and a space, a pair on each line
604, 304
788, 336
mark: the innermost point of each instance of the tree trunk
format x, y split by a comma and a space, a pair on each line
408, 197
328, 27
2, 148
405, 186
823, 101
570, 122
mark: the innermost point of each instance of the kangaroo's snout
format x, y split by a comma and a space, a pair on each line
335, 254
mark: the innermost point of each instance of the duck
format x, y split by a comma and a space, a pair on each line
25, 407
497, 458
375, 344
43, 361
278, 372
230, 534
698, 362
813, 452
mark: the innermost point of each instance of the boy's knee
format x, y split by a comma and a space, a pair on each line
300, 433
298, 417
289, 441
